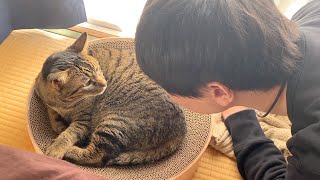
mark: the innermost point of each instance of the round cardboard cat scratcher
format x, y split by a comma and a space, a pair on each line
180, 165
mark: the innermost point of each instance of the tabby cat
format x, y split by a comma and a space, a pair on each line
104, 97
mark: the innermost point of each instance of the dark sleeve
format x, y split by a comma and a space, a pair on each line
40, 14
308, 15
305, 148
257, 156
5, 20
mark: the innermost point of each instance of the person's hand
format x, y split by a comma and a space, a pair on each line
225, 114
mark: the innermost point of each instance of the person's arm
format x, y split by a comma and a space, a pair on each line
305, 149
18, 164
257, 156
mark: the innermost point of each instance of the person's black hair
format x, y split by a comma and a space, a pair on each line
244, 44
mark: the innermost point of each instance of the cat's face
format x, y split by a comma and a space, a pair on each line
72, 74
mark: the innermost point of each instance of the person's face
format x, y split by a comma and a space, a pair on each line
203, 105
216, 98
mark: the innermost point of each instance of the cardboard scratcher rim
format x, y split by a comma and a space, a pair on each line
198, 137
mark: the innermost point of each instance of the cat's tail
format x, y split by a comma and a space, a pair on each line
146, 156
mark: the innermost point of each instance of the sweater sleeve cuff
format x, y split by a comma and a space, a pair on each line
244, 129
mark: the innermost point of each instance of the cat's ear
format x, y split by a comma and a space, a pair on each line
58, 79
80, 44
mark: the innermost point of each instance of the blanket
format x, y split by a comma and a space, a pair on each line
277, 128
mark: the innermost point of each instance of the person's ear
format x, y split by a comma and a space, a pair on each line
220, 93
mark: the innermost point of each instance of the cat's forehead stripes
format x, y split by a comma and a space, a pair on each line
54, 63
76, 60
64, 60
86, 67
91, 60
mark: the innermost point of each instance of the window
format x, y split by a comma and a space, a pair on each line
289, 7
118, 15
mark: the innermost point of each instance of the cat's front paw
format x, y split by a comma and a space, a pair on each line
56, 150
57, 122
72, 154
58, 127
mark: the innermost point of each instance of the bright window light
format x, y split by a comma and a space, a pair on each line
121, 15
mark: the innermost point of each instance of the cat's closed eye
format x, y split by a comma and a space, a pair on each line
87, 83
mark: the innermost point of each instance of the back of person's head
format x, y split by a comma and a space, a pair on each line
244, 44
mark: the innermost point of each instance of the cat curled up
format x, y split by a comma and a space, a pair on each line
99, 95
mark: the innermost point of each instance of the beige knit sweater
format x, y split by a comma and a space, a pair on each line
277, 128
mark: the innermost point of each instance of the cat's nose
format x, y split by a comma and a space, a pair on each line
101, 82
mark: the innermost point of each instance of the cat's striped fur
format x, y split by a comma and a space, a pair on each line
132, 121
